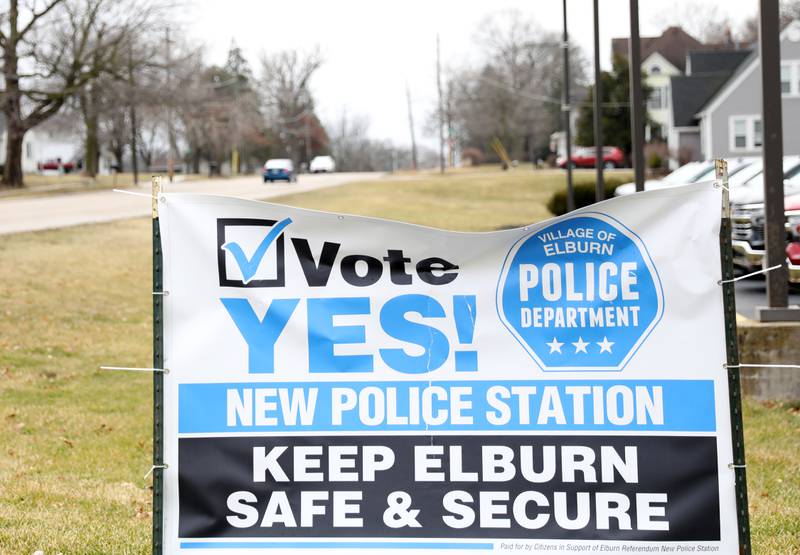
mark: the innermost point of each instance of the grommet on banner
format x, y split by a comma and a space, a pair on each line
762, 271
152, 468
133, 369
733, 466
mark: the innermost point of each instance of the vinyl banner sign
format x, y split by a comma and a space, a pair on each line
340, 383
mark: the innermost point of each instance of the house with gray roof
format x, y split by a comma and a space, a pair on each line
706, 73
729, 120
682, 73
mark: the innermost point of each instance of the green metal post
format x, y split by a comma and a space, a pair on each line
158, 379
732, 348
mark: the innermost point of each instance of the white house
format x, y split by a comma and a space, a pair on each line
45, 142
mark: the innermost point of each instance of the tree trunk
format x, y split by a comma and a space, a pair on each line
195, 161
15, 130
119, 157
134, 146
92, 148
12, 172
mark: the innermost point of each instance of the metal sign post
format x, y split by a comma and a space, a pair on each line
566, 112
771, 116
158, 377
732, 348
637, 117
599, 186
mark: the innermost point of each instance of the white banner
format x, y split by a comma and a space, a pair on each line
346, 383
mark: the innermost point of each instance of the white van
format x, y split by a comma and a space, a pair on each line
322, 164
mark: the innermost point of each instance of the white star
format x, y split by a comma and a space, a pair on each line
605, 345
580, 346
555, 346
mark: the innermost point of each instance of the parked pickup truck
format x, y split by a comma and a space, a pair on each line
748, 236
792, 207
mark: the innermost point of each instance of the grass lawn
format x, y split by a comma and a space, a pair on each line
475, 199
75, 442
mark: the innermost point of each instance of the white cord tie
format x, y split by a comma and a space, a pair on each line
152, 468
762, 271
134, 193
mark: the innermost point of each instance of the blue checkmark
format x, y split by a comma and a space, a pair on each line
249, 266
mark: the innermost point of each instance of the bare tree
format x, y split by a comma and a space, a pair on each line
705, 21
289, 105
147, 136
350, 145
354, 150
219, 110
101, 102
514, 93
51, 50
789, 11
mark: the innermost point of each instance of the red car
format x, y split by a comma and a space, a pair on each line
792, 207
56, 164
584, 157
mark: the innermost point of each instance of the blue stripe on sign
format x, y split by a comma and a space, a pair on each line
333, 545
587, 405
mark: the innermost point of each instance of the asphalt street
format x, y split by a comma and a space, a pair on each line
49, 212
752, 292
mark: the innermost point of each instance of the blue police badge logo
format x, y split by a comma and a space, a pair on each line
581, 294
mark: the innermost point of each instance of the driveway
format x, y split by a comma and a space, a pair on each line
36, 213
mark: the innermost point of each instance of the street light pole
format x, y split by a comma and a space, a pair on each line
567, 112
411, 128
599, 187
637, 119
772, 148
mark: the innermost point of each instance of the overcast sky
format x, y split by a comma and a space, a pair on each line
372, 48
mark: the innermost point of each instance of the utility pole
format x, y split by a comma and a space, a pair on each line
411, 127
441, 106
308, 141
236, 131
567, 113
637, 116
599, 186
772, 149
132, 108
448, 114
170, 131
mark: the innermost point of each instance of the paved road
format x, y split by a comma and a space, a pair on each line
36, 213
752, 292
